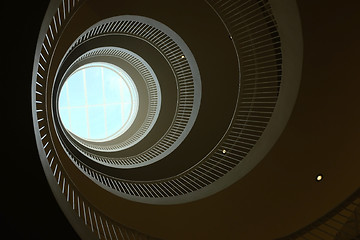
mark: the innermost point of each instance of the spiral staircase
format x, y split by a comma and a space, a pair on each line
236, 119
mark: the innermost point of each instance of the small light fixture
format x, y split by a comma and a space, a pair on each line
319, 177
224, 151
182, 56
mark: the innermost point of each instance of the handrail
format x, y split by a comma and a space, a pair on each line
260, 57
96, 222
341, 223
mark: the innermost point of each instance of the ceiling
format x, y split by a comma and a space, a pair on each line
275, 199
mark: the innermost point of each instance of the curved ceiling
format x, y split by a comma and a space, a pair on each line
280, 195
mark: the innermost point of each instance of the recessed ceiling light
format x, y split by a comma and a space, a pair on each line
224, 151
319, 177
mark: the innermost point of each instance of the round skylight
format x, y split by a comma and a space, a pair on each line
98, 102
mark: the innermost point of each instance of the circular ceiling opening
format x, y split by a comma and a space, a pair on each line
98, 102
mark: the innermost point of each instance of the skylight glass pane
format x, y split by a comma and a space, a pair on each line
63, 98
65, 117
76, 89
113, 91
97, 122
94, 86
115, 119
125, 95
79, 122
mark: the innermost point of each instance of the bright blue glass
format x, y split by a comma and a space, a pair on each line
96, 102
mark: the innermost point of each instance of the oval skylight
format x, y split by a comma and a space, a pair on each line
98, 102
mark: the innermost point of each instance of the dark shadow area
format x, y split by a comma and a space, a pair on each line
28, 209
